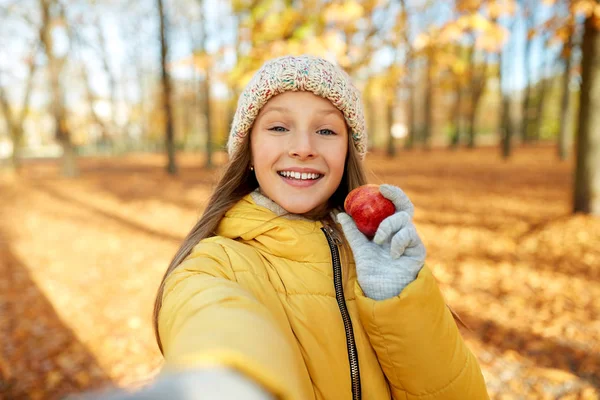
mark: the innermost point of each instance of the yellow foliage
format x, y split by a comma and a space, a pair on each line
315, 45
381, 86
496, 38
448, 60
370, 5
239, 5
277, 24
489, 43
478, 22
450, 33
501, 7
335, 43
201, 61
243, 81
344, 14
459, 67
421, 41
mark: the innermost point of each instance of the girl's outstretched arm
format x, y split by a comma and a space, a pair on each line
207, 319
194, 384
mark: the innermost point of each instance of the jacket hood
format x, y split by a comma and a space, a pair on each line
262, 226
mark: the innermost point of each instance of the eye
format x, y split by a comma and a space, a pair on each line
326, 132
277, 129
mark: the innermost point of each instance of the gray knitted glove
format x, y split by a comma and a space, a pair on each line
217, 383
385, 266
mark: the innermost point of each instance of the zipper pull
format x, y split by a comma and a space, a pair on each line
333, 234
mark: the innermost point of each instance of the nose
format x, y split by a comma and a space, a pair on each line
302, 146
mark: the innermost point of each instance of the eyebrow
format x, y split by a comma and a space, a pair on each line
275, 108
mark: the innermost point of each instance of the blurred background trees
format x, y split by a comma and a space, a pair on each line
104, 77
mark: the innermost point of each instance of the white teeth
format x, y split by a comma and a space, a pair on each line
298, 175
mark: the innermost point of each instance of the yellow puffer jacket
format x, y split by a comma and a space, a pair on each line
260, 298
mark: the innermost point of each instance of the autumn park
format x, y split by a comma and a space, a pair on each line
114, 119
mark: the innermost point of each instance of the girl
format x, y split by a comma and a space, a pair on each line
276, 294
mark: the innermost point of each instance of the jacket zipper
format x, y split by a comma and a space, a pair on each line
334, 242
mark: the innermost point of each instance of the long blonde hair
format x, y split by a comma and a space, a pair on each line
236, 182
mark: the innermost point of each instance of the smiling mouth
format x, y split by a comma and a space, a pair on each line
300, 176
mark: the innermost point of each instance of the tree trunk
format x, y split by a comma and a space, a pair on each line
208, 119
456, 109
111, 130
13, 131
139, 75
539, 113
391, 144
587, 170
428, 104
506, 127
17, 139
166, 93
456, 114
471, 132
525, 138
564, 108
539, 110
478, 82
55, 66
15, 123
104, 137
476, 96
410, 109
69, 166
527, 78
505, 117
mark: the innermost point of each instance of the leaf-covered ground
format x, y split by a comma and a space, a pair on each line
80, 261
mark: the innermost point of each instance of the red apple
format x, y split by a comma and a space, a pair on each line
367, 206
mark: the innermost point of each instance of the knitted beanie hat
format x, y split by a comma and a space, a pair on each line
299, 73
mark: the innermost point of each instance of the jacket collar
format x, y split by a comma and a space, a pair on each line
263, 224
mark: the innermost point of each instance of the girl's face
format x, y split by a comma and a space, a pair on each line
299, 143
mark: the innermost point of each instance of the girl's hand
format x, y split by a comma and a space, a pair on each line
217, 383
385, 266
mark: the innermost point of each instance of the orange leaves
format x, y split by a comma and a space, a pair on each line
562, 34
520, 271
587, 8
467, 6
